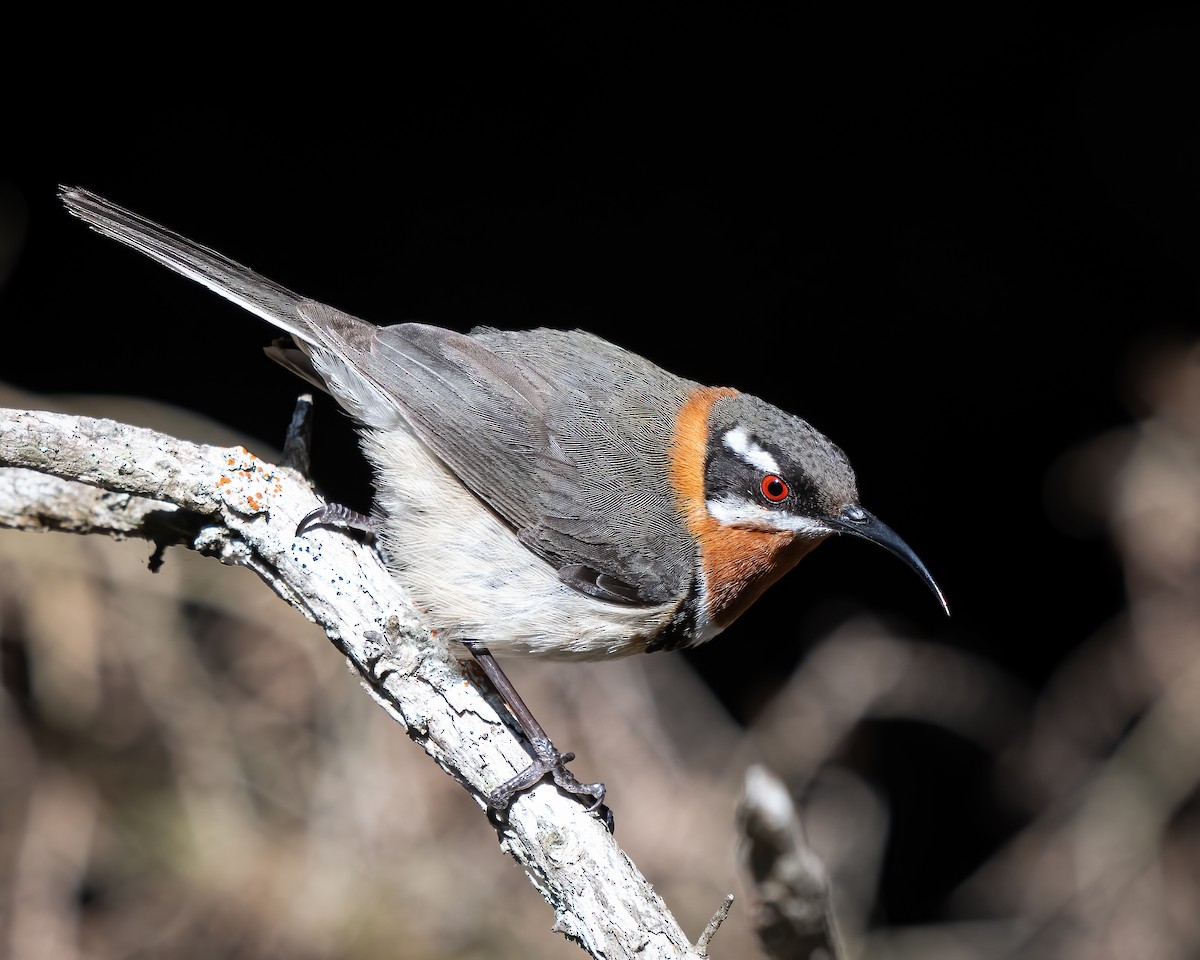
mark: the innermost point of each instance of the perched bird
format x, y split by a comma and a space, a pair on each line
544, 492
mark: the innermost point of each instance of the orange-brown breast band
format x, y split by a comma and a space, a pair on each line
737, 565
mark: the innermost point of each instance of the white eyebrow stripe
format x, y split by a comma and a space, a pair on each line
736, 512
740, 443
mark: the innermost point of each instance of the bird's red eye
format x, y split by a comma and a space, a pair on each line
774, 488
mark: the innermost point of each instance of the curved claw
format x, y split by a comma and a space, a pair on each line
337, 515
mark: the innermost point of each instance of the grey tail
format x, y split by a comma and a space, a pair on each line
230, 279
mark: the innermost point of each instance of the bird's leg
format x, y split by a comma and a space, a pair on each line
547, 759
296, 454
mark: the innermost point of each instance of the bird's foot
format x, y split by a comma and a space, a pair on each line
549, 762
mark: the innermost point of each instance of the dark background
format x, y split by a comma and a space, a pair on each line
943, 239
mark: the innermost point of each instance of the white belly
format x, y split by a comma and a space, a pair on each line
475, 579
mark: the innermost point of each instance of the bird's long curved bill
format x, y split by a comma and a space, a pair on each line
860, 523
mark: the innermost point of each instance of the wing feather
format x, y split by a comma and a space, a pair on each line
562, 434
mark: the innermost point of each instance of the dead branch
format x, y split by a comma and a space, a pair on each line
795, 917
86, 475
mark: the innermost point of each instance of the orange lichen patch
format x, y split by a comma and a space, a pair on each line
248, 482
737, 565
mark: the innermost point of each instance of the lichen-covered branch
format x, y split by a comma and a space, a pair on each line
85, 475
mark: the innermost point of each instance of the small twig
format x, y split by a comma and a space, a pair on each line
713, 926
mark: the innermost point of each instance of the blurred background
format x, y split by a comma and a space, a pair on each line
963, 245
